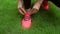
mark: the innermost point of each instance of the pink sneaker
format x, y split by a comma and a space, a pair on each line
45, 5
26, 22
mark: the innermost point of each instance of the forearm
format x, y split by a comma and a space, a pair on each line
21, 7
38, 4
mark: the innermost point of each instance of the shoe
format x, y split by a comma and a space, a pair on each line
45, 5
26, 22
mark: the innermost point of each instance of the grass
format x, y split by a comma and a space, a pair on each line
43, 22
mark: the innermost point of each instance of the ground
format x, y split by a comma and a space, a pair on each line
43, 22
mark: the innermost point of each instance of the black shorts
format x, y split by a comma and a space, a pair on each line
27, 3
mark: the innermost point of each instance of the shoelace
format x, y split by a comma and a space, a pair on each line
27, 18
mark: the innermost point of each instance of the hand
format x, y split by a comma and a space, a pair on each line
21, 10
28, 11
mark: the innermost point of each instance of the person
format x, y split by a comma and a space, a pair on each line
23, 5
24, 9
27, 4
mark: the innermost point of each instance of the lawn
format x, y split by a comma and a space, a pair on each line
43, 22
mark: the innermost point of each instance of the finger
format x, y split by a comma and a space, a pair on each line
29, 11
22, 9
21, 12
33, 11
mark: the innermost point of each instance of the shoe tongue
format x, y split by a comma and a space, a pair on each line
27, 14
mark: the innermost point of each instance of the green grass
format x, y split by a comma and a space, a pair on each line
43, 22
